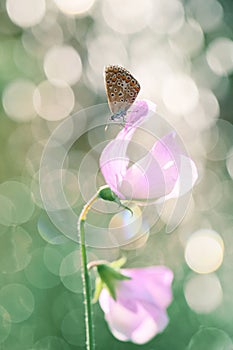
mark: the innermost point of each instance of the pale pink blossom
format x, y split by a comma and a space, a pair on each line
164, 172
139, 311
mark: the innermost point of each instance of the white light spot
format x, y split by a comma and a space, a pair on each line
63, 63
203, 293
206, 112
18, 100
52, 101
69, 194
72, 7
208, 13
180, 93
129, 229
26, 13
101, 51
167, 16
168, 165
204, 251
189, 39
118, 15
219, 56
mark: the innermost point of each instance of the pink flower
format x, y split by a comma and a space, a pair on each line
164, 172
139, 311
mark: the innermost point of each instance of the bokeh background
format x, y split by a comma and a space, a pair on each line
52, 55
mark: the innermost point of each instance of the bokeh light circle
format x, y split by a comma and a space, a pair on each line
72, 327
119, 14
54, 255
54, 66
71, 7
97, 60
207, 111
18, 300
20, 206
52, 259
208, 13
204, 251
26, 13
15, 254
215, 338
5, 323
64, 302
48, 231
219, 56
167, 16
38, 274
203, 293
189, 39
180, 93
18, 100
219, 143
129, 227
53, 101
70, 271
50, 343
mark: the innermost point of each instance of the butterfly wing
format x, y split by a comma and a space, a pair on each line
121, 88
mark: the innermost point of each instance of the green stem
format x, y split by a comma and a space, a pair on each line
86, 291
85, 274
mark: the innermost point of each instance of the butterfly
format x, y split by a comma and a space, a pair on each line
121, 89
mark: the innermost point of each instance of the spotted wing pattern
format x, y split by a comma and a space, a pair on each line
121, 88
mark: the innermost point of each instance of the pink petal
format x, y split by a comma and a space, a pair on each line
167, 149
155, 174
113, 160
188, 176
154, 322
145, 332
121, 319
156, 283
139, 325
139, 312
114, 163
139, 111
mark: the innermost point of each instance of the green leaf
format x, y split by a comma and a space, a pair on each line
110, 277
118, 263
98, 288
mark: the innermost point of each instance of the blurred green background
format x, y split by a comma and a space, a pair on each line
52, 56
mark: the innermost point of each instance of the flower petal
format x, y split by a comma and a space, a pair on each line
139, 311
156, 281
120, 318
114, 163
113, 160
139, 111
154, 322
188, 176
139, 325
155, 174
